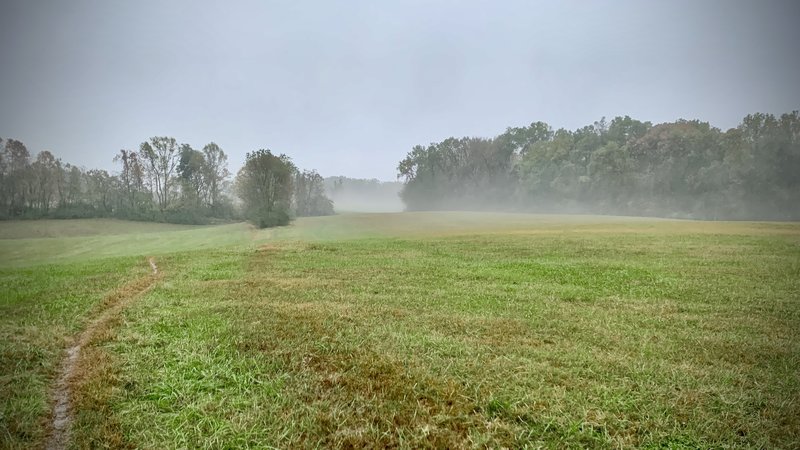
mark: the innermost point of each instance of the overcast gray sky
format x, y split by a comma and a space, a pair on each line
349, 87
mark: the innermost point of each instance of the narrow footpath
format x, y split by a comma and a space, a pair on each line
113, 304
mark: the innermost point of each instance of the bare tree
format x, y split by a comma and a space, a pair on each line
132, 176
161, 157
17, 165
100, 187
43, 180
216, 168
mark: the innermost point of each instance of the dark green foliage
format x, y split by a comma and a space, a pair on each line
273, 190
681, 169
191, 171
265, 186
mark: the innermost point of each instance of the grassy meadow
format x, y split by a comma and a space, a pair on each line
443, 330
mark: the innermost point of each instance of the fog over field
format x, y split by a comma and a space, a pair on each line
360, 195
436, 224
352, 96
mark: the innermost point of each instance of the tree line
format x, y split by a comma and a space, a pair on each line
686, 169
161, 181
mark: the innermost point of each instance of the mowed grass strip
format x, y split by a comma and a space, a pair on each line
643, 337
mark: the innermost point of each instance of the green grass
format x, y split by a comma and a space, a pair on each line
433, 330
85, 241
45, 228
41, 307
51, 285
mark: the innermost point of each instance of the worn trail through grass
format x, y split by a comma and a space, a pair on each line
62, 392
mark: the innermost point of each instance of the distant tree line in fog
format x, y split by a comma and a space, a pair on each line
685, 169
364, 195
162, 181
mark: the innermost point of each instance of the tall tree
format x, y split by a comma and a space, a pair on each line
17, 160
3, 178
216, 172
131, 178
100, 190
161, 158
309, 194
44, 171
192, 172
265, 186
74, 185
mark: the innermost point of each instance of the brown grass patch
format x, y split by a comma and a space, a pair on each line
355, 396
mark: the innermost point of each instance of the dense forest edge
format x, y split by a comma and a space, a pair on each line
682, 169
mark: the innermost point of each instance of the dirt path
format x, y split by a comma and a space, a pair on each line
114, 303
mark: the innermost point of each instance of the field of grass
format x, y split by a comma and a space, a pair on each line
35, 242
410, 330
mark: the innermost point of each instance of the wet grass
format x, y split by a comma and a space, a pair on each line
545, 332
41, 308
51, 287
79, 243
527, 339
59, 228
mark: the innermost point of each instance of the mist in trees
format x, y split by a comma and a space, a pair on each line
685, 169
310, 196
155, 183
173, 182
46, 186
162, 181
